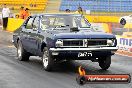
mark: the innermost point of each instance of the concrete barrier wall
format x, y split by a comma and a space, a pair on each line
13, 24
103, 19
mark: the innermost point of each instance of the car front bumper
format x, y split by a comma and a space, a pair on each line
85, 49
82, 53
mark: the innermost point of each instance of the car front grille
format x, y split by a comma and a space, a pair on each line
74, 43
84, 42
97, 42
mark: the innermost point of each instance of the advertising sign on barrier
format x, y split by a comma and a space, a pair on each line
124, 43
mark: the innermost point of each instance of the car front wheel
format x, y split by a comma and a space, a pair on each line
22, 54
47, 60
105, 62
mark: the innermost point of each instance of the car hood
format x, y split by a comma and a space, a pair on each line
83, 35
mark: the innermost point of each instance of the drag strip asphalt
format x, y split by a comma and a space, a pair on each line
19, 74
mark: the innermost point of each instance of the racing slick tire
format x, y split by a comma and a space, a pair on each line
47, 60
105, 62
122, 21
22, 54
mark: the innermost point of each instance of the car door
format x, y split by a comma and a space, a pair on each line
42, 34
25, 33
34, 36
29, 35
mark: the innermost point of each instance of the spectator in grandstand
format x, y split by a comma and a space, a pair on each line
21, 13
5, 16
67, 11
26, 13
80, 10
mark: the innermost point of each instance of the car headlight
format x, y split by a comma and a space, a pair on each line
111, 42
59, 43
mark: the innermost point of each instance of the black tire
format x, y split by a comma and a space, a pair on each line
47, 60
22, 54
105, 62
122, 21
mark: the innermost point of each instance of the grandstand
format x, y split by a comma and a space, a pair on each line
31, 4
98, 5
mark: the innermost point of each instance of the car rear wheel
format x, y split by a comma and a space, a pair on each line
123, 21
22, 54
105, 62
47, 60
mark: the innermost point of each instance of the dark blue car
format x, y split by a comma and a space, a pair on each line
63, 37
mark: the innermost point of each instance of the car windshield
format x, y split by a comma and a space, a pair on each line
51, 21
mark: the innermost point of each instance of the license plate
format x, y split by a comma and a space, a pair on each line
85, 54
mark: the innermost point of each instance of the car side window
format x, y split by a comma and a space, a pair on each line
36, 22
29, 24
44, 24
